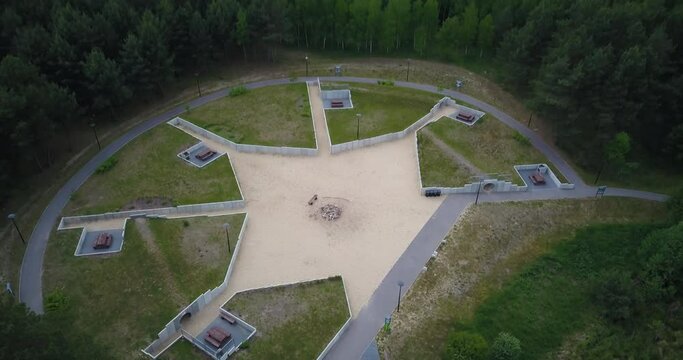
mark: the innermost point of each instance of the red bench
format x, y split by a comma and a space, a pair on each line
537, 179
337, 104
205, 155
465, 117
103, 241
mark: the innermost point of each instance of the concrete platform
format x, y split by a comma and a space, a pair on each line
240, 332
88, 238
189, 155
546, 172
336, 95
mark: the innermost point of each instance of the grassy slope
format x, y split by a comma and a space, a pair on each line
436, 168
275, 116
296, 320
384, 109
149, 167
485, 250
550, 299
489, 145
125, 299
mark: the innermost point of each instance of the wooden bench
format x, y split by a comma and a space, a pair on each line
227, 318
103, 241
465, 117
205, 155
216, 336
337, 104
537, 179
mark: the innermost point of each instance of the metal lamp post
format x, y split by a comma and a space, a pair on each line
358, 126
226, 226
408, 72
306, 58
12, 218
476, 201
99, 146
400, 287
199, 89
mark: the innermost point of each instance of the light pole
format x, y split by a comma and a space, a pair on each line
226, 226
199, 90
11, 217
529, 123
306, 58
358, 126
408, 72
400, 287
476, 201
92, 125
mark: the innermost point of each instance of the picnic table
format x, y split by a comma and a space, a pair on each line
103, 241
216, 336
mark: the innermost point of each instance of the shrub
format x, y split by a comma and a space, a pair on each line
465, 345
505, 347
675, 206
521, 138
616, 296
385, 82
56, 301
186, 223
107, 165
238, 90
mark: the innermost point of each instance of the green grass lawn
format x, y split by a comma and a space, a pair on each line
384, 109
123, 300
646, 177
436, 168
484, 253
293, 320
489, 145
273, 115
149, 169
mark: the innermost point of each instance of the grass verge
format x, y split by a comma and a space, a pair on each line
383, 109
296, 320
437, 168
123, 300
273, 116
489, 145
149, 174
490, 244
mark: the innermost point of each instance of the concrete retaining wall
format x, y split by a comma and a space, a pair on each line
357, 144
261, 149
70, 222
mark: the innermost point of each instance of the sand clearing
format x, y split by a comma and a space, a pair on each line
382, 211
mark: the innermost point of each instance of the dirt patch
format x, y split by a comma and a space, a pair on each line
152, 202
198, 247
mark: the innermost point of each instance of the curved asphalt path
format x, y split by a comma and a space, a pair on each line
364, 326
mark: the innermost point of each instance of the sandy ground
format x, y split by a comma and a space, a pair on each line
286, 242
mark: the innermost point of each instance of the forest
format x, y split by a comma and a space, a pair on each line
607, 75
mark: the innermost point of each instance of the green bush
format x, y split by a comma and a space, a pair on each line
616, 296
385, 82
675, 206
56, 301
238, 90
107, 165
465, 345
521, 139
505, 347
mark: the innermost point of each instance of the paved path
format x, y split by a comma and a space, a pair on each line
367, 322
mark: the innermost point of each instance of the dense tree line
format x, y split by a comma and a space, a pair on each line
594, 68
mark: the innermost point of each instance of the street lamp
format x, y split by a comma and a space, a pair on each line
11, 217
306, 58
476, 201
529, 123
199, 90
99, 146
408, 72
400, 287
226, 226
358, 126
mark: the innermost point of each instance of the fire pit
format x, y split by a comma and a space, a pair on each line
330, 212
